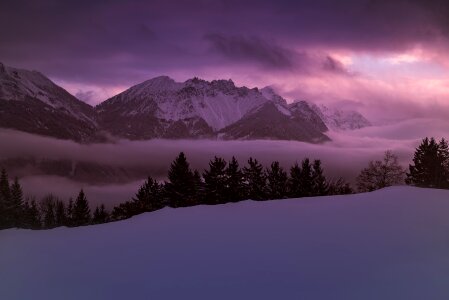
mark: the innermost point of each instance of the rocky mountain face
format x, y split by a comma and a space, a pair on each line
31, 102
163, 108
336, 119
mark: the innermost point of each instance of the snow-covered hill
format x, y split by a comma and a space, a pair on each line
31, 102
389, 244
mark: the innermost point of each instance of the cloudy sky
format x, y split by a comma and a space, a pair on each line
387, 59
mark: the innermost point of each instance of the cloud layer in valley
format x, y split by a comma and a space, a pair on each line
344, 157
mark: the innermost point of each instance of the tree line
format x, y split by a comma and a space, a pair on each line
429, 168
49, 212
223, 182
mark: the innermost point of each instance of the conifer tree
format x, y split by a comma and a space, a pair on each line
31, 216
149, 197
6, 221
430, 165
320, 186
81, 211
48, 205
255, 180
215, 180
60, 214
69, 214
198, 186
100, 215
294, 182
235, 189
180, 189
305, 179
16, 209
277, 181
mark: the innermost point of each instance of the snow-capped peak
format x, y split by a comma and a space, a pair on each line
337, 119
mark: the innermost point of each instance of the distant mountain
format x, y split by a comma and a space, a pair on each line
31, 102
336, 119
163, 108
275, 121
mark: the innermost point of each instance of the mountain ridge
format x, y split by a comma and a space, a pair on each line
163, 108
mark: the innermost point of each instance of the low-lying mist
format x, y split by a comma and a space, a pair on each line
344, 156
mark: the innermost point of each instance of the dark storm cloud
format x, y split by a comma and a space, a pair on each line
252, 49
127, 41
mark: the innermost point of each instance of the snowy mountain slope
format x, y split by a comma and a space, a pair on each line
205, 108
389, 244
163, 108
213, 105
31, 102
274, 121
340, 119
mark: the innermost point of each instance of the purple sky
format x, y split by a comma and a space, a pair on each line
388, 59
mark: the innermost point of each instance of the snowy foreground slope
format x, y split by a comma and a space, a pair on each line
389, 244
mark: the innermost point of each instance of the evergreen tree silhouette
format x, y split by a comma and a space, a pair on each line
81, 210
255, 180
320, 186
31, 217
430, 165
149, 197
235, 189
6, 207
16, 202
100, 215
69, 214
180, 189
277, 181
305, 179
60, 213
198, 188
294, 182
215, 180
48, 205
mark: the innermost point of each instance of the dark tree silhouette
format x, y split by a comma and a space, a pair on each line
149, 196
380, 174
320, 186
339, 187
294, 182
215, 180
430, 166
255, 180
305, 179
235, 189
6, 221
60, 214
181, 189
47, 208
30, 215
277, 180
69, 214
100, 215
81, 211
16, 203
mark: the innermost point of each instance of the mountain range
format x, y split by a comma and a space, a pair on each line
163, 108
